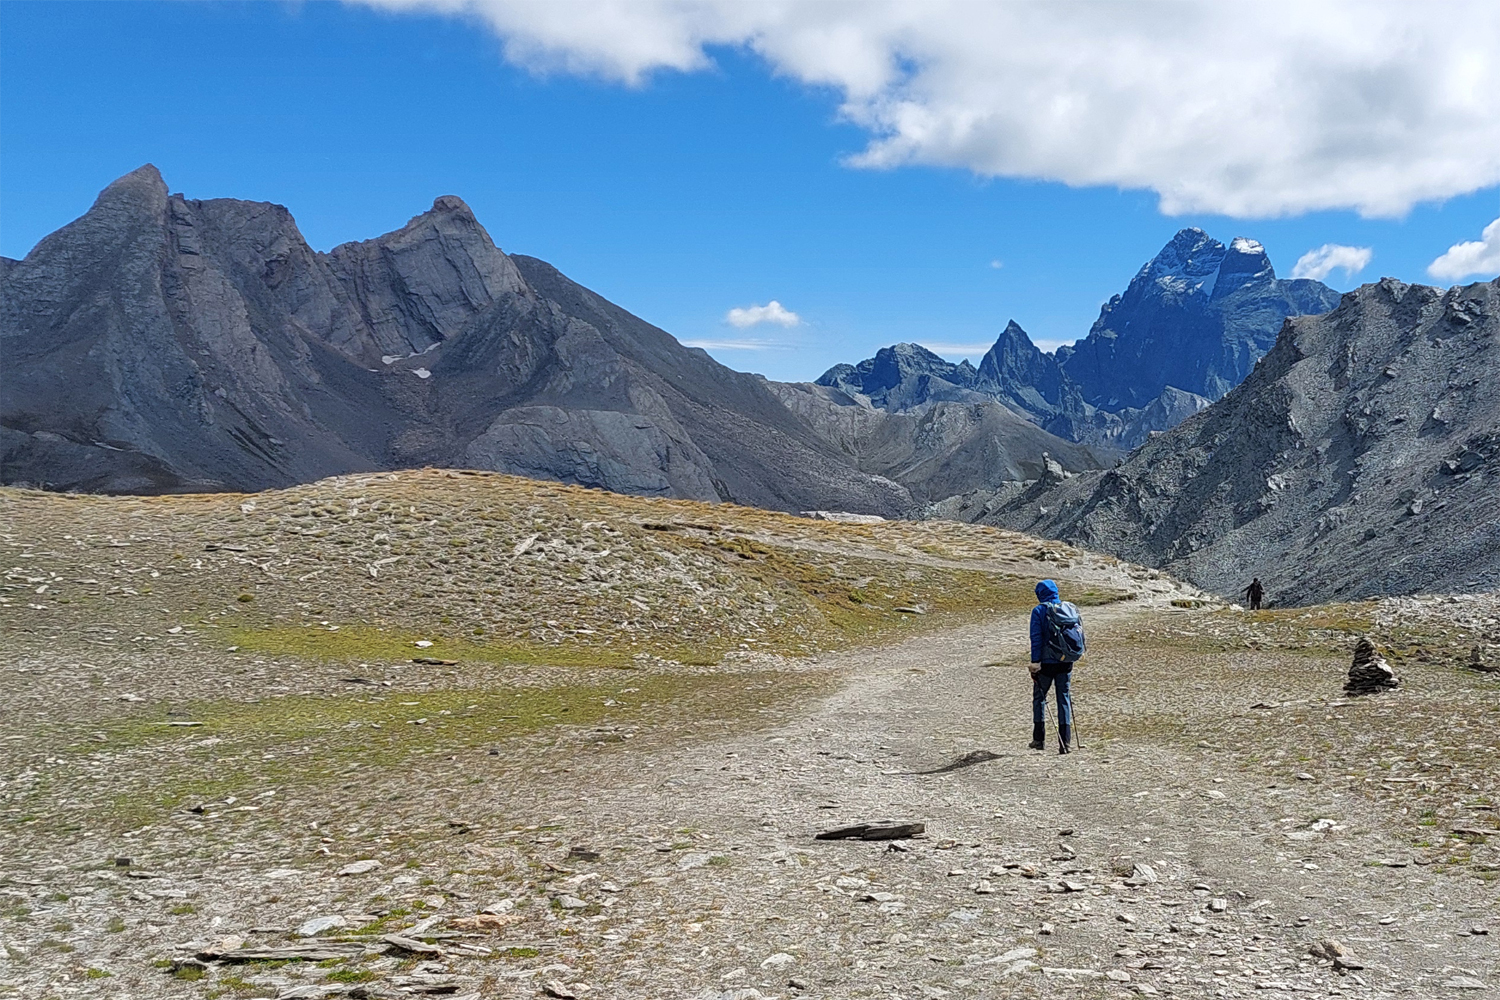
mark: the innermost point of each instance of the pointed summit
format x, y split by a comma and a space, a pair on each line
1197, 316
142, 188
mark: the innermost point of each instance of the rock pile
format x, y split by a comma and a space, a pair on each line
1486, 661
1369, 673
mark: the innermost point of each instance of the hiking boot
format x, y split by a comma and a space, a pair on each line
1064, 748
1038, 738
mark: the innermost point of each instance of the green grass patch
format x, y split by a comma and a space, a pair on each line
301, 741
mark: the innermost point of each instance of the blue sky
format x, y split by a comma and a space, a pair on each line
680, 196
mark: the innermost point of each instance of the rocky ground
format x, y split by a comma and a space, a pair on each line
553, 816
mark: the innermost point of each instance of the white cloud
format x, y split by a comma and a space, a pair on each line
997, 264
1318, 264
1050, 346
771, 312
735, 345
1476, 257
1250, 110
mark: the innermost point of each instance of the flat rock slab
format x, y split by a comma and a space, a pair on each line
323, 951
874, 831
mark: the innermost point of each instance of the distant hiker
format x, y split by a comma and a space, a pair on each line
1254, 593
1057, 642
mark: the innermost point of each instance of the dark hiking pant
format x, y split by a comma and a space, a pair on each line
1059, 675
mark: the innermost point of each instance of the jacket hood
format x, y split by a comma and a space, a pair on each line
1046, 591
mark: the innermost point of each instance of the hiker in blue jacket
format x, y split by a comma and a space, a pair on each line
1052, 653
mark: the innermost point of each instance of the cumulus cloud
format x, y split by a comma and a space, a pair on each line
1249, 110
771, 312
1475, 257
1320, 263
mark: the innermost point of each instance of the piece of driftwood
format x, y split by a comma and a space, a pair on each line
874, 831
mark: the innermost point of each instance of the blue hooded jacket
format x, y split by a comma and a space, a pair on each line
1046, 592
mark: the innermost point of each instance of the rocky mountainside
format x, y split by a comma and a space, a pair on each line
1197, 317
1360, 457
937, 450
163, 344
1189, 328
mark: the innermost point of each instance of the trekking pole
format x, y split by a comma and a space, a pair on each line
1073, 718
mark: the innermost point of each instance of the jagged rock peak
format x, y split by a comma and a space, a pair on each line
144, 184
1188, 263
450, 204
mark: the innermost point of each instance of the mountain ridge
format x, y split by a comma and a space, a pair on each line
166, 344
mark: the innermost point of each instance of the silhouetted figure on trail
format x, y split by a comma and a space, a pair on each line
1254, 594
1056, 644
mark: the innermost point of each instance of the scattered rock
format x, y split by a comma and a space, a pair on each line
485, 921
433, 661
780, 960
1486, 661
403, 943
359, 867
1465, 983
1369, 674
556, 989
317, 925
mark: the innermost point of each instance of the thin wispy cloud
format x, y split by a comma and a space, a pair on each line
1474, 258
735, 345
997, 264
1249, 110
772, 312
1320, 263
975, 350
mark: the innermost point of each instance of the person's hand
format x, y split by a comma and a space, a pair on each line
1035, 668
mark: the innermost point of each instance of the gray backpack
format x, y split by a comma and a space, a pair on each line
1065, 639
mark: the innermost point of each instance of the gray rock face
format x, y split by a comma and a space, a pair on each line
940, 449
164, 344
1197, 317
1361, 457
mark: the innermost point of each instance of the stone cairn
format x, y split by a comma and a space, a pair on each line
1370, 673
1485, 664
